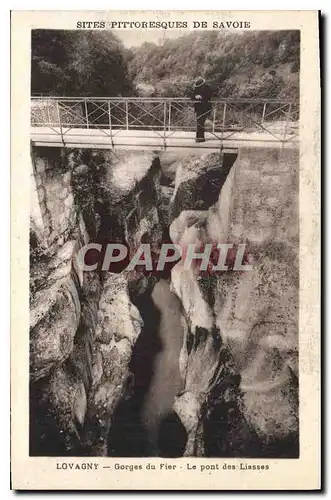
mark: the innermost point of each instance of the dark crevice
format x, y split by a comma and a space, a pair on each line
128, 435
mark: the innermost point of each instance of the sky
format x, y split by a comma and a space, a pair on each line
133, 38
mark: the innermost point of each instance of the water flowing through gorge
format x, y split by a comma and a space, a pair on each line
156, 378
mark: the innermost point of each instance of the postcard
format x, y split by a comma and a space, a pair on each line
165, 212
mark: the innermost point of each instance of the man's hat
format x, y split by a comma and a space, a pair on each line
199, 81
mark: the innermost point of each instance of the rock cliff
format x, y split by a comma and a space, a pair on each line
83, 325
238, 364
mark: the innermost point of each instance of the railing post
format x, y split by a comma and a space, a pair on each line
287, 120
164, 123
169, 117
223, 124
263, 113
214, 117
59, 118
86, 114
109, 121
127, 114
48, 115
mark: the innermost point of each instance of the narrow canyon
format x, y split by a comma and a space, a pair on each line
172, 363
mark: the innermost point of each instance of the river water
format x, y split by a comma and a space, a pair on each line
135, 430
165, 382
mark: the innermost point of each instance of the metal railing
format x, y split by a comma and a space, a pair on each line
228, 119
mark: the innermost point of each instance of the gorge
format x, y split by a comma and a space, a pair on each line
129, 363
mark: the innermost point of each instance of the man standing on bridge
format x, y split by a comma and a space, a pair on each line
201, 94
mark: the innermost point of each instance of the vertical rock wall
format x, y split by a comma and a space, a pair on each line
247, 319
83, 324
238, 363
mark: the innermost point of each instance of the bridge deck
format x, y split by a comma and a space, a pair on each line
152, 139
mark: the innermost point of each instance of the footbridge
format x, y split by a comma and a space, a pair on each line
162, 123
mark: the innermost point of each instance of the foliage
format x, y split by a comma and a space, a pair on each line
75, 63
243, 64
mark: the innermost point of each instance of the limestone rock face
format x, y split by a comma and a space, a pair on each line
254, 313
130, 209
105, 394
198, 182
55, 320
83, 324
238, 363
131, 216
166, 194
53, 209
257, 311
117, 315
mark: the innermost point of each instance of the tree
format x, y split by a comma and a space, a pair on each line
71, 63
234, 62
